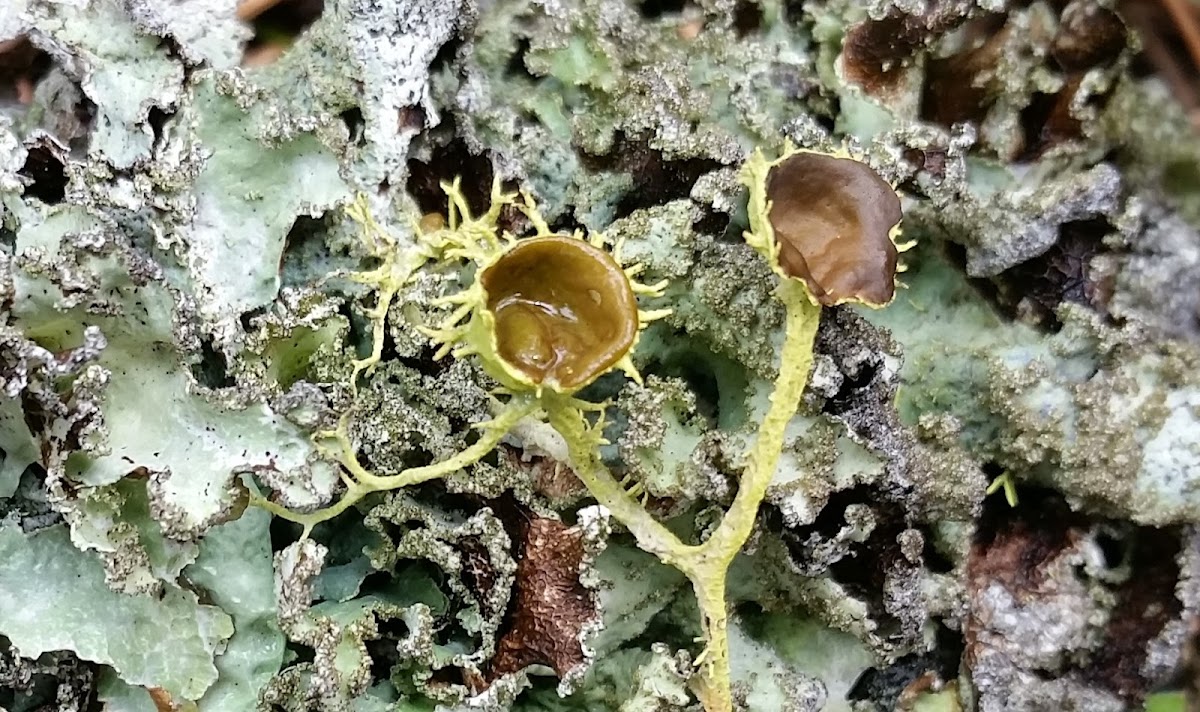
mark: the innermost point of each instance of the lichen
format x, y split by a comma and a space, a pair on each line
241, 268
168, 642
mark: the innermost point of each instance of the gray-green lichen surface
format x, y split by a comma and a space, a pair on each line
179, 326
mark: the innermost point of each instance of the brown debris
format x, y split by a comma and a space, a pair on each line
876, 53
1188, 20
1047, 121
1146, 603
930, 160
690, 29
478, 571
21, 64
260, 55
1035, 288
1088, 37
164, 703
930, 682
277, 24
1014, 549
248, 10
963, 86
832, 218
551, 606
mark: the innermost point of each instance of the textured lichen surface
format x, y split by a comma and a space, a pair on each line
226, 282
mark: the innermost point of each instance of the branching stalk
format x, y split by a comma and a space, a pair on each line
583, 441
493, 432
707, 565
710, 566
360, 482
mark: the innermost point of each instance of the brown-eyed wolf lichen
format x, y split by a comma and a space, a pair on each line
548, 314
167, 217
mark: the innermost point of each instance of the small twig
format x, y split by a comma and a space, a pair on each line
1164, 60
1183, 13
248, 10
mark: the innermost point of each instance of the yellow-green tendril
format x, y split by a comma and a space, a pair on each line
1004, 482
803, 317
706, 565
396, 269
710, 567
360, 482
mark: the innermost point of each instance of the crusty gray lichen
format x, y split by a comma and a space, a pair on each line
52, 678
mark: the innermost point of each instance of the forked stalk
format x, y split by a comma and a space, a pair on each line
707, 565
360, 482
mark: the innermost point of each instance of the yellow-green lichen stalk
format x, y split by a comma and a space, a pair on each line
826, 224
398, 267
547, 315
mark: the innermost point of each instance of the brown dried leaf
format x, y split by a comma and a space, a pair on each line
552, 606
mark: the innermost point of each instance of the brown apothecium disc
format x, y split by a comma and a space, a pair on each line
832, 218
565, 311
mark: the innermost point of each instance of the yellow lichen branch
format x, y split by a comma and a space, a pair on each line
1004, 481
802, 294
803, 318
396, 269
707, 565
710, 567
360, 482
583, 443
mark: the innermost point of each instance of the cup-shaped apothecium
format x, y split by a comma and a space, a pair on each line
834, 220
564, 311
546, 314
